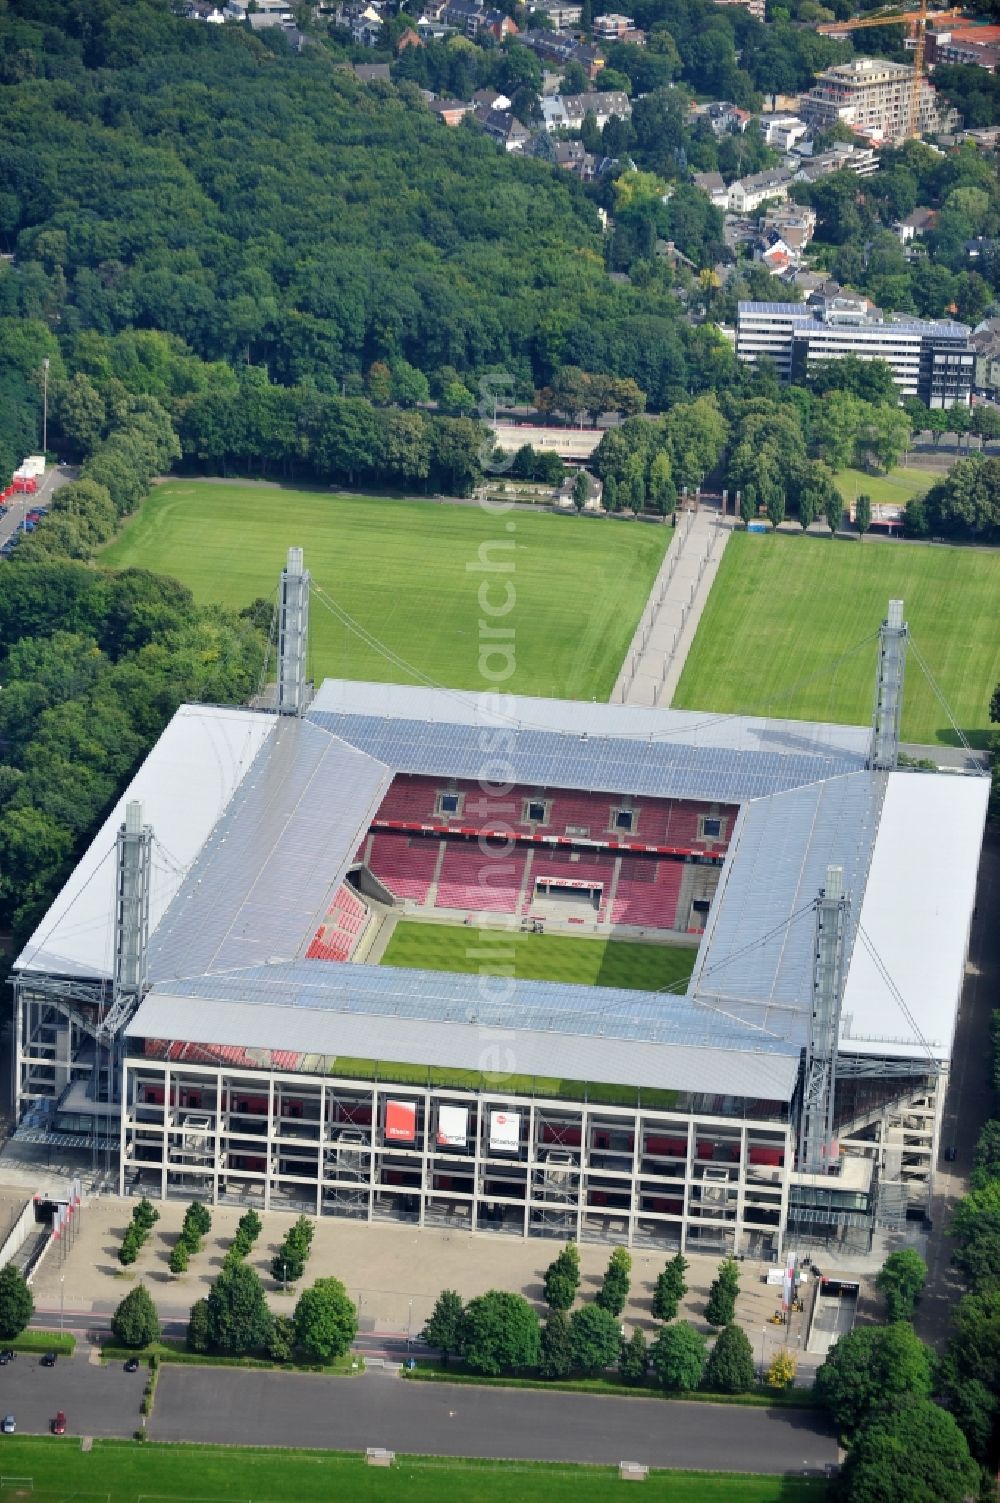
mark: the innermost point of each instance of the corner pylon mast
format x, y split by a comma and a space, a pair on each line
293, 635
816, 1141
893, 636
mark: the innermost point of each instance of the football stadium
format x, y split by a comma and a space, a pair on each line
204, 1006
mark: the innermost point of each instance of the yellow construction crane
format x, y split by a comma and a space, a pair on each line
916, 23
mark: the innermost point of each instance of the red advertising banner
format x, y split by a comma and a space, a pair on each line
400, 1121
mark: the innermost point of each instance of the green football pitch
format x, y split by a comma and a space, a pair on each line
410, 575
789, 630
47, 1471
540, 957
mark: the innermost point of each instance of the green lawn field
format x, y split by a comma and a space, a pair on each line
785, 609
409, 572
540, 957
898, 486
56, 1471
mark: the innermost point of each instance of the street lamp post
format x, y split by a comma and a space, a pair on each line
45, 405
284, 1277
409, 1326
62, 1301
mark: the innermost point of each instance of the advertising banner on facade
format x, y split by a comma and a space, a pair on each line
505, 1132
453, 1126
400, 1121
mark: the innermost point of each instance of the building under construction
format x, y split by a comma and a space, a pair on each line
198, 1002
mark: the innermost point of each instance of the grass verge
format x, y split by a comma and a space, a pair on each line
176, 1352
412, 574
42, 1341
789, 630
758, 1398
126, 1472
898, 487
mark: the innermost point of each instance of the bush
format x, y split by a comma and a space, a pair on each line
326, 1322
238, 1318
281, 1342
555, 1359
562, 1279
594, 1338
633, 1359
781, 1373
179, 1256
444, 1328
197, 1331
145, 1215
678, 1357
501, 1333
16, 1304
135, 1323
197, 1220
131, 1245
730, 1362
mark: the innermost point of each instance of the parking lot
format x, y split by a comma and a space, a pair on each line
233, 1407
96, 1400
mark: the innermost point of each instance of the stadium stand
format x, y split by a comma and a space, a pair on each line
338, 935
469, 879
404, 864
647, 892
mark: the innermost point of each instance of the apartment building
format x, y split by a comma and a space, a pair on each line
930, 358
871, 96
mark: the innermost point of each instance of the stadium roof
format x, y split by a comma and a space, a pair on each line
268, 872
603, 748
420, 1017
184, 785
908, 843
915, 915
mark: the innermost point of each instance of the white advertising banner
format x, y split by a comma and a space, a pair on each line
505, 1132
453, 1126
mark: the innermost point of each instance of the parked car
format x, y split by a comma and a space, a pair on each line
49, 1360
950, 1153
9, 1424
6, 1356
59, 1424
132, 1365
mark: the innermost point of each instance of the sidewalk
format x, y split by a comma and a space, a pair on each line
656, 657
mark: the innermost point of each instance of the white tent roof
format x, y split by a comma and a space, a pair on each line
184, 785
916, 912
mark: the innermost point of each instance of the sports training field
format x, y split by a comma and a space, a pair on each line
408, 572
56, 1471
898, 486
784, 610
540, 957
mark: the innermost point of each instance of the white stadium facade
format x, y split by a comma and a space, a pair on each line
197, 1006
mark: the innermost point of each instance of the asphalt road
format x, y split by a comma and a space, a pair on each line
19, 506
236, 1407
95, 1400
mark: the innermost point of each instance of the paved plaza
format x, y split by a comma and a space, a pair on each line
394, 1273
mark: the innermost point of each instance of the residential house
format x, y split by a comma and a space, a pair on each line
712, 184
985, 342
451, 111
783, 132
489, 99
366, 29
915, 225
754, 7
572, 157
408, 38
368, 73
568, 111
205, 10
564, 14
974, 43
504, 128
861, 160
794, 223
750, 192
552, 47
612, 27
473, 19
725, 118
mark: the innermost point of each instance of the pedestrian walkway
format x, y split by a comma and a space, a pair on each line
666, 629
